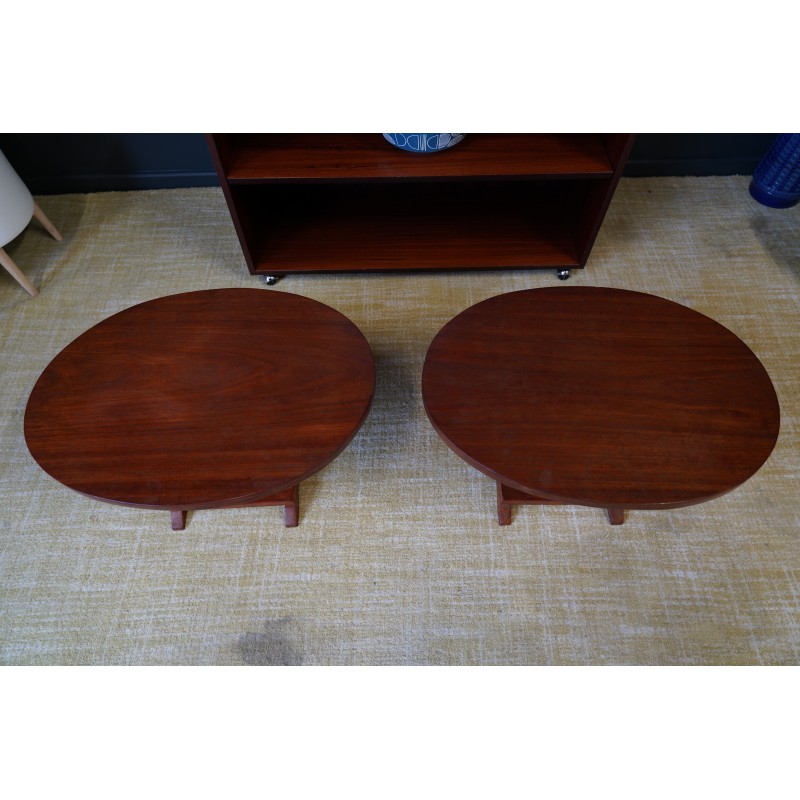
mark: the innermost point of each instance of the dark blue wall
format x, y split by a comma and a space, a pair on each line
55, 163
73, 162
662, 154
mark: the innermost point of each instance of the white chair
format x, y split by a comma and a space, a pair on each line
16, 209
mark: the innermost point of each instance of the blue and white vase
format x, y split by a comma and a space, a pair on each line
423, 142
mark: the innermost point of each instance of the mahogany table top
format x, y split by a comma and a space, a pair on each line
202, 399
600, 397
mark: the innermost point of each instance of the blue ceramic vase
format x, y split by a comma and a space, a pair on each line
423, 142
776, 180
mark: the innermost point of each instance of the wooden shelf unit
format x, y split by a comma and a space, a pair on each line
353, 202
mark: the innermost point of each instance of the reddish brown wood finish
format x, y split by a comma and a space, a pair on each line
599, 397
178, 519
508, 497
350, 202
367, 156
370, 228
207, 399
288, 498
599, 194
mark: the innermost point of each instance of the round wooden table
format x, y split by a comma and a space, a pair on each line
599, 397
207, 399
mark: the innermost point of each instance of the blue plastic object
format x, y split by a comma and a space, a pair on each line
776, 180
423, 142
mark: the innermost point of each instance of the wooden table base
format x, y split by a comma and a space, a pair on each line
507, 497
288, 498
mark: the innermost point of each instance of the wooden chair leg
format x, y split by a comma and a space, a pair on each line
46, 224
17, 274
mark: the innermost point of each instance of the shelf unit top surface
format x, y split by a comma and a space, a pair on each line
253, 158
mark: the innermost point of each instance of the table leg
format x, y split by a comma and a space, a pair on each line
178, 520
291, 509
508, 497
503, 507
289, 499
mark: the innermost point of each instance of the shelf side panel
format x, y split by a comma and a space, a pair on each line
600, 194
219, 145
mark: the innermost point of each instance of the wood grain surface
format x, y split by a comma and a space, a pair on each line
600, 397
353, 202
202, 399
349, 156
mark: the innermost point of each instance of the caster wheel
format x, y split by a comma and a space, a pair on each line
563, 274
270, 280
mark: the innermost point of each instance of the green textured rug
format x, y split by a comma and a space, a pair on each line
398, 558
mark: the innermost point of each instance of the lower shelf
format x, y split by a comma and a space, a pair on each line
373, 227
